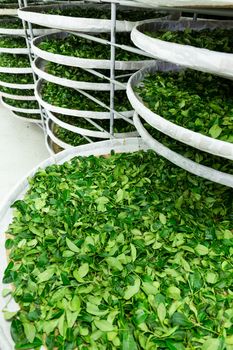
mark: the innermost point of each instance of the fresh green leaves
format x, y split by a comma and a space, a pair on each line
173, 293
151, 267
189, 152
215, 131
12, 42
10, 22
65, 97
83, 48
46, 275
30, 331
16, 78
132, 290
21, 103
104, 325
161, 312
211, 344
162, 218
114, 263
14, 60
9, 315
215, 39
128, 341
82, 271
72, 246
18, 92
179, 319
195, 100
120, 126
79, 74
68, 136
103, 12
201, 249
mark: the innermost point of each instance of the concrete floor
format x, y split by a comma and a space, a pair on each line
22, 147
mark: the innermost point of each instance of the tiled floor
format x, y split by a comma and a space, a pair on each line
22, 147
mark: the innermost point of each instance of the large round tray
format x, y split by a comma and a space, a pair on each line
52, 147
17, 51
18, 97
21, 31
213, 6
8, 11
191, 138
81, 62
73, 112
181, 161
39, 67
17, 86
88, 132
16, 70
34, 15
55, 139
6, 212
188, 56
18, 109
28, 120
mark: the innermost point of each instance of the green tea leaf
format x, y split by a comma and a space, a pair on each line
30, 331
75, 304
201, 249
162, 219
49, 326
215, 131
211, 277
46, 275
104, 325
133, 252
101, 201
72, 246
71, 317
151, 288
94, 310
211, 344
173, 293
161, 310
114, 263
173, 345
132, 290
83, 270
128, 341
119, 195
62, 325
6, 292
9, 315
25, 346
179, 319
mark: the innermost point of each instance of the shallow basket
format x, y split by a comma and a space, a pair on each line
34, 15
205, 60
97, 149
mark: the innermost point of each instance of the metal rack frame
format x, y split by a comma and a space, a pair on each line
29, 36
28, 27
10, 10
113, 45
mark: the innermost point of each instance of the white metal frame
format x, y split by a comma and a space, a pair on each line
112, 81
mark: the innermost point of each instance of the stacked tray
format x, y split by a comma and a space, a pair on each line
16, 80
172, 41
74, 64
